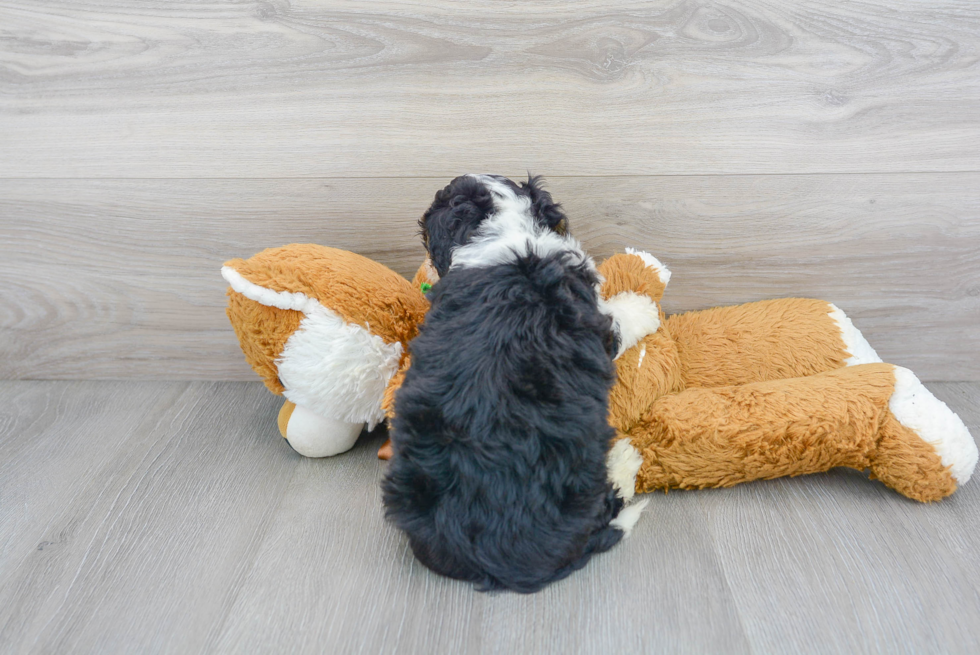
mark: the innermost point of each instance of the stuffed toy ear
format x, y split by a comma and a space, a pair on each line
359, 290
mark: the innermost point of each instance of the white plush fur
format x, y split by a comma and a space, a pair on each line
511, 232
280, 299
336, 369
917, 409
628, 516
312, 435
623, 462
652, 262
634, 317
854, 342
333, 368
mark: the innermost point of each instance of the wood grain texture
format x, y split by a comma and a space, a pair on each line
346, 567
171, 518
334, 88
947, 524
54, 441
144, 549
760, 148
119, 278
835, 563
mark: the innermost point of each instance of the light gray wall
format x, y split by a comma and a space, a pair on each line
760, 150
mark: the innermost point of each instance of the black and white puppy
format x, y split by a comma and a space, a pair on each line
500, 434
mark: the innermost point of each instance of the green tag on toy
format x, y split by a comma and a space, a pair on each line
425, 287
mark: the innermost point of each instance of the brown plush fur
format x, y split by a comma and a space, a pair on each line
650, 369
711, 399
630, 273
640, 383
394, 384
360, 290
766, 340
759, 391
908, 464
721, 436
262, 333
425, 275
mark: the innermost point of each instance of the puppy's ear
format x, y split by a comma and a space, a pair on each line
455, 213
546, 211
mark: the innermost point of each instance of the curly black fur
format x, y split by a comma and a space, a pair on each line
500, 437
458, 210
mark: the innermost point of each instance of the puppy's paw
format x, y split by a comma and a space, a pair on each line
628, 516
622, 464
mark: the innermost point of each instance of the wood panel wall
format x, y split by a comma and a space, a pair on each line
760, 149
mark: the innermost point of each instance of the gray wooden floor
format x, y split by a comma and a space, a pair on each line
170, 517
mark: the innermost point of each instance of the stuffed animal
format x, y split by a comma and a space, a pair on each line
703, 399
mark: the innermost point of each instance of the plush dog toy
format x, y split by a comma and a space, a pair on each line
704, 399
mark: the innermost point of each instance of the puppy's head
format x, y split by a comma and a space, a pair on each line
459, 210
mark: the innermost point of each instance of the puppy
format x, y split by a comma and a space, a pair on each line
500, 433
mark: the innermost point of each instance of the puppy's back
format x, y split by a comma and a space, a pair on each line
500, 436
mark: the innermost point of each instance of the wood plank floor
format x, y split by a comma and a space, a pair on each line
170, 517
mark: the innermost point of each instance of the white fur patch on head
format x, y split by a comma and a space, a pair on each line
634, 317
511, 232
652, 262
335, 369
917, 409
854, 342
623, 462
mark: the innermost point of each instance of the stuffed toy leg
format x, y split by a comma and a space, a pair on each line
774, 388
871, 416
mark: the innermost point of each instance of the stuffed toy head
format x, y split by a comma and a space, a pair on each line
327, 329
